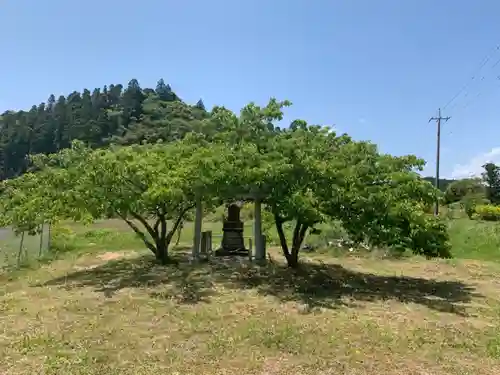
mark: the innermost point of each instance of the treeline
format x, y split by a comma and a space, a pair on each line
113, 114
443, 182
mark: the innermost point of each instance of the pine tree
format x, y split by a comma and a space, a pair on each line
61, 138
51, 102
200, 105
77, 126
164, 91
131, 102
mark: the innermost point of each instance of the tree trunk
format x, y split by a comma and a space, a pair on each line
299, 233
165, 238
162, 252
293, 260
161, 243
281, 235
159, 234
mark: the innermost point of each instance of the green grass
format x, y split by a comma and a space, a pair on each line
32, 248
473, 239
98, 314
470, 239
104, 307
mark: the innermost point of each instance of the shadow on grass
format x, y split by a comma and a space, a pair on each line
314, 284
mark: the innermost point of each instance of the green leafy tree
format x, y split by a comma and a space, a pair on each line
457, 190
306, 174
380, 199
146, 186
491, 177
291, 184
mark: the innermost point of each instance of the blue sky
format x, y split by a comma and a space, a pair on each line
375, 69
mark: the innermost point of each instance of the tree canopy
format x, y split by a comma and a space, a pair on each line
458, 190
169, 157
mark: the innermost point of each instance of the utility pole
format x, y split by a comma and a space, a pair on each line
438, 152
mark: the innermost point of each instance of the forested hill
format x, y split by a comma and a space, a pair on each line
114, 113
443, 182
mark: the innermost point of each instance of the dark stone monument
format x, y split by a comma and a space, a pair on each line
232, 233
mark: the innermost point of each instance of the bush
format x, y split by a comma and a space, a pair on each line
327, 235
62, 239
470, 202
487, 212
458, 190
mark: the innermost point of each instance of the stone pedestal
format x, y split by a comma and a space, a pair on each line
232, 233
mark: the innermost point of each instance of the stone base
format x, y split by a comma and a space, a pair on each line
223, 253
232, 241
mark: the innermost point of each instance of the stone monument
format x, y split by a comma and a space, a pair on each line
232, 233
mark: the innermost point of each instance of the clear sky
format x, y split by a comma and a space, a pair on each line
377, 70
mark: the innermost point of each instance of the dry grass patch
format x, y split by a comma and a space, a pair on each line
130, 316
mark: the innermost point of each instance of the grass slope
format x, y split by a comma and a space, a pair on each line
117, 313
473, 239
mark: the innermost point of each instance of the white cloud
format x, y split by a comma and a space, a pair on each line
336, 129
475, 165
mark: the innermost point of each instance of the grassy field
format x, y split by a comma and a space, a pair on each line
33, 247
106, 308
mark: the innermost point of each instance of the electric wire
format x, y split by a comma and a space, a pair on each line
476, 72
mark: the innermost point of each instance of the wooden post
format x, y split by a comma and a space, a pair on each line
20, 252
260, 251
209, 243
197, 230
250, 250
264, 245
204, 243
49, 238
40, 249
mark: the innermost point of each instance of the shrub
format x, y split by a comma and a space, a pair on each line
458, 190
329, 234
470, 202
62, 239
488, 212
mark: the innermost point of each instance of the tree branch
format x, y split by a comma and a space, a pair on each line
175, 226
281, 234
156, 227
143, 221
143, 237
298, 237
296, 233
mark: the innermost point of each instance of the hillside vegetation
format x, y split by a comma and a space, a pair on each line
114, 114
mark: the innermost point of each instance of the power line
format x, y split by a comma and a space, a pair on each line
468, 99
458, 109
438, 152
483, 63
480, 93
